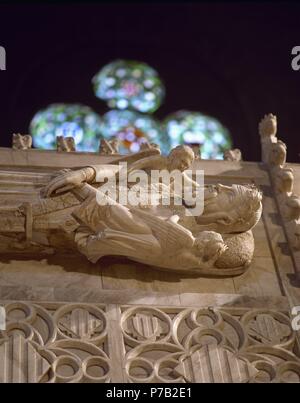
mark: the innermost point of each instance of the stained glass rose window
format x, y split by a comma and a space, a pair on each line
78, 121
127, 84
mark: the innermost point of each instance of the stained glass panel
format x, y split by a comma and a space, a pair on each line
127, 84
132, 129
185, 127
78, 121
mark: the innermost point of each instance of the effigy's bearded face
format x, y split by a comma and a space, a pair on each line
231, 209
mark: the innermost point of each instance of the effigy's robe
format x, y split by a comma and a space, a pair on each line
27, 220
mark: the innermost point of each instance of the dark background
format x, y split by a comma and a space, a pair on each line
228, 60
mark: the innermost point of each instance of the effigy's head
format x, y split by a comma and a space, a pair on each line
181, 158
231, 209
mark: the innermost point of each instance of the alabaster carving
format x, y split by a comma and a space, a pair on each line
148, 146
293, 233
291, 208
274, 154
216, 242
180, 158
284, 181
108, 147
267, 129
80, 342
277, 154
148, 239
65, 144
21, 142
232, 155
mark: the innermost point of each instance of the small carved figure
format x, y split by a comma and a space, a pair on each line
66, 144
148, 146
284, 180
108, 147
21, 142
232, 155
291, 209
180, 157
268, 127
277, 154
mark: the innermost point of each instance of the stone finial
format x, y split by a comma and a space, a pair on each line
232, 155
115, 143
267, 129
21, 141
65, 144
108, 147
268, 126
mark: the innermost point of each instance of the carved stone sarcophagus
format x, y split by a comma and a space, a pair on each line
124, 292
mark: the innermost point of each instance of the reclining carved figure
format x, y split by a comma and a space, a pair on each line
218, 242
